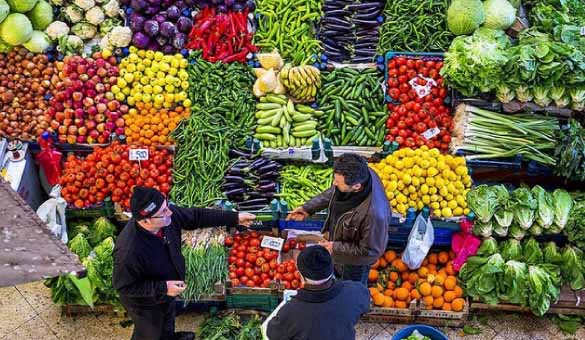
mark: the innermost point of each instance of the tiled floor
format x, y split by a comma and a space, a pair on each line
27, 313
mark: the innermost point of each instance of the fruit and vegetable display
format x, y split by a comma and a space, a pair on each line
251, 183
350, 32
434, 284
419, 114
353, 105
108, 172
519, 213
83, 107
300, 184
425, 177
251, 265
25, 81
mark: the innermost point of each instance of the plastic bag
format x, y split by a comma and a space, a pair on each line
52, 212
464, 244
49, 159
419, 243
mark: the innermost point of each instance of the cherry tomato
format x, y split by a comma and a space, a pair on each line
240, 271
249, 272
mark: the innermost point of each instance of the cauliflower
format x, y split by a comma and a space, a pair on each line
57, 29
120, 36
84, 30
100, 1
95, 16
108, 24
105, 43
112, 8
73, 14
85, 4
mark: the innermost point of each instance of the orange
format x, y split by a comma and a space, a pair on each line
376, 264
402, 294
425, 289
433, 259
449, 296
449, 268
383, 263
438, 302
423, 271
458, 304
412, 278
388, 302
379, 287
388, 292
390, 285
373, 275
400, 304
373, 291
414, 294
390, 256
447, 306
406, 285
432, 268
443, 257
399, 265
379, 299
393, 276
425, 262
440, 279
458, 291
428, 300
404, 276
436, 291
450, 283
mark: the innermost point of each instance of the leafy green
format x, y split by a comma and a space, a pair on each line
512, 250
524, 207
101, 230
516, 232
80, 246
102, 271
79, 229
545, 213
483, 229
575, 229
514, 288
562, 204
532, 252
489, 246
230, 327
572, 267
567, 324
69, 290
499, 14
500, 231
465, 16
543, 287
483, 201
485, 282
552, 254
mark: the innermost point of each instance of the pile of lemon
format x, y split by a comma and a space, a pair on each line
423, 177
153, 77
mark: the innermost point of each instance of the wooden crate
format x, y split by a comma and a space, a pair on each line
78, 310
440, 317
391, 315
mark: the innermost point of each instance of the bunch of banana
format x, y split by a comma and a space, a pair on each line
302, 82
282, 124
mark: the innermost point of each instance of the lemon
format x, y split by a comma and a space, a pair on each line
133, 49
433, 190
106, 53
140, 67
416, 182
437, 213
408, 162
399, 165
393, 177
426, 199
133, 57
432, 171
141, 53
420, 205
392, 186
447, 212
158, 56
144, 81
439, 182
406, 179
390, 195
458, 211
443, 204
131, 101
444, 191
434, 198
401, 198
461, 170
451, 188
452, 204
187, 103
183, 63
159, 99
156, 89
411, 204
430, 181
424, 189
466, 211
435, 205
393, 202
121, 83
450, 197
128, 77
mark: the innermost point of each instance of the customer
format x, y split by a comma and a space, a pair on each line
359, 215
325, 309
149, 268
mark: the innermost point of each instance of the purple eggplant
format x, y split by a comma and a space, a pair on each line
269, 175
184, 24
362, 6
233, 153
151, 28
140, 40
335, 21
179, 40
372, 22
230, 186
336, 13
138, 5
168, 49
168, 29
260, 162
235, 192
267, 188
173, 13
136, 22
159, 19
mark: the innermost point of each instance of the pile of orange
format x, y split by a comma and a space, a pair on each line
393, 285
147, 125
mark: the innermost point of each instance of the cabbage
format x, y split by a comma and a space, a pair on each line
4, 10
16, 29
79, 246
552, 254
101, 230
562, 205
543, 287
38, 43
516, 232
532, 252
488, 247
535, 230
482, 229
22, 6
572, 267
545, 214
483, 202
465, 16
41, 16
512, 250
500, 231
499, 14
514, 288
524, 207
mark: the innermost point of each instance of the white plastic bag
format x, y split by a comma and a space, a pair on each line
419, 243
52, 212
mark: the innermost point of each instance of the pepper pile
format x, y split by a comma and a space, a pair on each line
420, 116
109, 172
221, 36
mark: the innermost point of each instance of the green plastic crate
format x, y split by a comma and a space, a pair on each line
105, 209
264, 303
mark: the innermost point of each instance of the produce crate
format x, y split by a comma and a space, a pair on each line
263, 299
106, 209
312, 223
442, 318
444, 230
266, 218
391, 315
436, 56
78, 310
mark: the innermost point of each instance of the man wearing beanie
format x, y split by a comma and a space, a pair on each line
325, 309
359, 215
149, 268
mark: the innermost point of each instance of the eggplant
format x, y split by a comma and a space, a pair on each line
364, 46
234, 179
252, 207
230, 186
267, 188
260, 162
336, 13
365, 22
370, 40
362, 6
362, 59
268, 168
343, 29
254, 201
336, 21
269, 175
235, 192
368, 16
235, 153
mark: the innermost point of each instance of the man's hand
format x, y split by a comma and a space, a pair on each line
175, 288
246, 219
327, 245
298, 214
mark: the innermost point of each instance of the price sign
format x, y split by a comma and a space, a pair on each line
583, 30
274, 243
430, 133
138, 154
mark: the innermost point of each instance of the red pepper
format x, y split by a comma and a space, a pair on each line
240, 56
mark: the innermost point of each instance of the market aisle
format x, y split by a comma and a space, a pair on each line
27, 313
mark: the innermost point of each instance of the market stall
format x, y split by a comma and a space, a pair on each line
469, 111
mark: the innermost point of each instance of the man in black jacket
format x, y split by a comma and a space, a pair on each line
149, 268
324, 309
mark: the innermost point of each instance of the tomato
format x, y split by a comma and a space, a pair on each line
249, 272
242, 248
229, 241
410, 63
233, 251
235, 282
256, 279
393, 73
281, 269
253, 250
273, 264
251, 258
287, 285
250, 283
260, 261
446, 139
240, 271
278, 276
288, 277
295, 284
286, 247
399, 140
266, 282
290, 268
403, 79
232, 260
297, 275
233, 275
433, 73
424, 71
257, 270
393, 82
400, 61
254, 242
404, 98
244, 279
411, 74
241, 255
409, 122
419, 63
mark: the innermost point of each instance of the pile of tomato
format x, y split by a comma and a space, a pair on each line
411, 116
108, 172
254, 266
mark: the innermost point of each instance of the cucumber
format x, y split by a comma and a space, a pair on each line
305, 109
269, 113
311, 125
292, 141
265, 121
318, 113
285, 134
276, 118
268, 129
265, 136
267, 106
300, 117
282, 122
275, 99
286, 113
279, 140
304, 133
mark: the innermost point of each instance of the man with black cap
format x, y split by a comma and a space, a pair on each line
149, 268
324, 309
359, 215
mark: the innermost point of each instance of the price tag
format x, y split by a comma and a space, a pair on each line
138, 154
430, 133
583, 30
274, 243
291, 151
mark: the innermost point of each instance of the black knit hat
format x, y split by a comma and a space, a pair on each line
315, 263
145, 202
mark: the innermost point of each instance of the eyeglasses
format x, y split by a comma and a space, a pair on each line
166, 211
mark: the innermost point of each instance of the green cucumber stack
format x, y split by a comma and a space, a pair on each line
281, 124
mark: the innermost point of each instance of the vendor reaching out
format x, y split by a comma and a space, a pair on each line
359, 215
149, 268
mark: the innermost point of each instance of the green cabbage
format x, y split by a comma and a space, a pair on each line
516, 232
524, 207
4, 10
488, 247
499, 14
552, 254
41, 15
512, 250
101, 230
504, 214
482, 229
535, 230
79, 246
38, 43
465, 16
514, 288
543, 287
532, 252
22, 6
473, 264
483, 201
572, 267
562, 204
500, 231
545, 214
485, 282
16, 29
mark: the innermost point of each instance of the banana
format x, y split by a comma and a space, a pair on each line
305, 76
